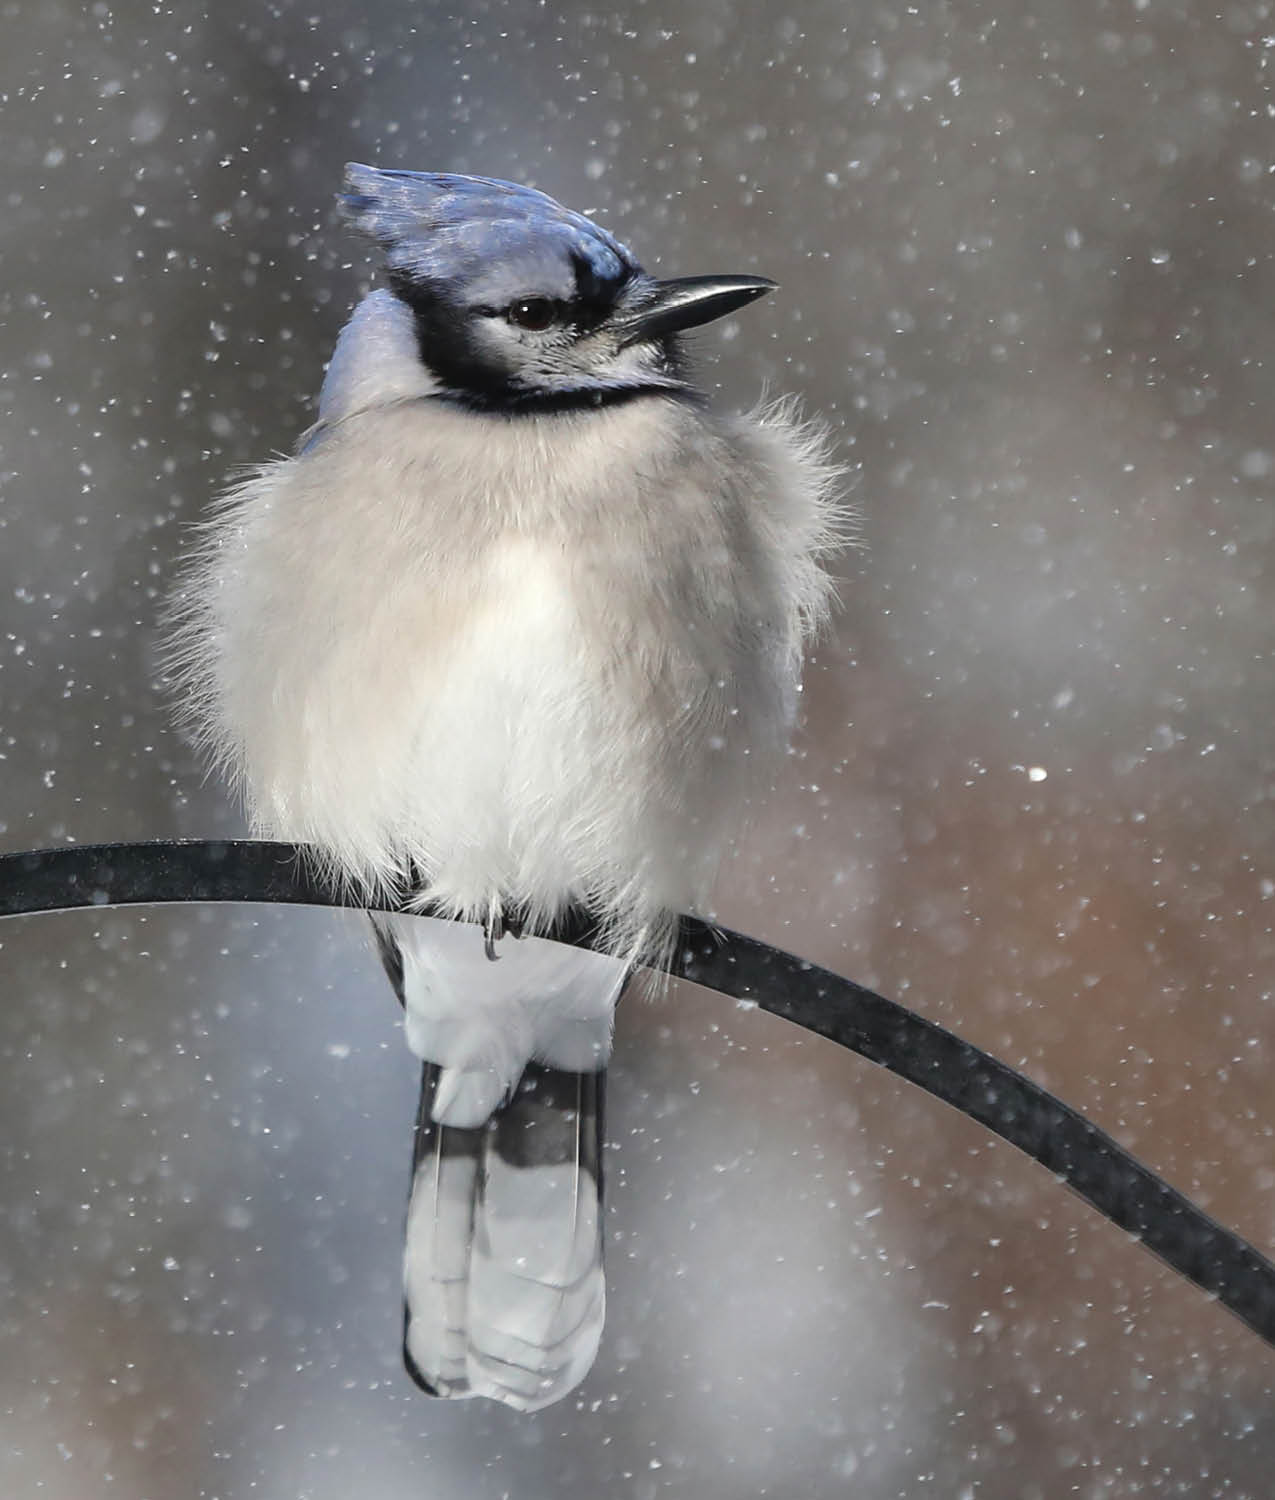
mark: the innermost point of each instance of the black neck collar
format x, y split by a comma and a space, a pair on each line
514, 404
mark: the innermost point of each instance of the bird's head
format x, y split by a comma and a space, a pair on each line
520, 303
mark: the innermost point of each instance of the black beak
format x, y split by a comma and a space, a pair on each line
671, 306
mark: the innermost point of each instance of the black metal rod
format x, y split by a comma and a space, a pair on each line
1088, 1160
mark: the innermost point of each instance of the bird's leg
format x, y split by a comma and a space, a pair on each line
499, 924
493, 931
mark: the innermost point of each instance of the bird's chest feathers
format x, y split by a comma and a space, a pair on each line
472, 655
515, 642
475, 571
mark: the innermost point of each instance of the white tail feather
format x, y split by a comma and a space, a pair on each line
503, 1280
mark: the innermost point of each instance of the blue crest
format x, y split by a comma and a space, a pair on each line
482, 235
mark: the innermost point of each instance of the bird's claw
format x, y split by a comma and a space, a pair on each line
497, 926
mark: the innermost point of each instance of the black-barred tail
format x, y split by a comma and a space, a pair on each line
504, 1294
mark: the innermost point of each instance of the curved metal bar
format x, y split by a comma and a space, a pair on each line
1085, 1158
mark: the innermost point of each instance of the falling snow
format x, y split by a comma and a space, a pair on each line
1026, 270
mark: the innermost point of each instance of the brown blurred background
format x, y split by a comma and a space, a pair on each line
1027, 276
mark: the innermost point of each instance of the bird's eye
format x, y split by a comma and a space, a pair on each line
534, 313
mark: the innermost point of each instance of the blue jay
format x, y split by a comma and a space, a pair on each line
519, 625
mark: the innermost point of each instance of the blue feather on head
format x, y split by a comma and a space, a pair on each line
443, 229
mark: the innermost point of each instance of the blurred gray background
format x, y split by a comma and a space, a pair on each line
1027, 276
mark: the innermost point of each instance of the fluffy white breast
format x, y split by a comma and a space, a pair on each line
530, 661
